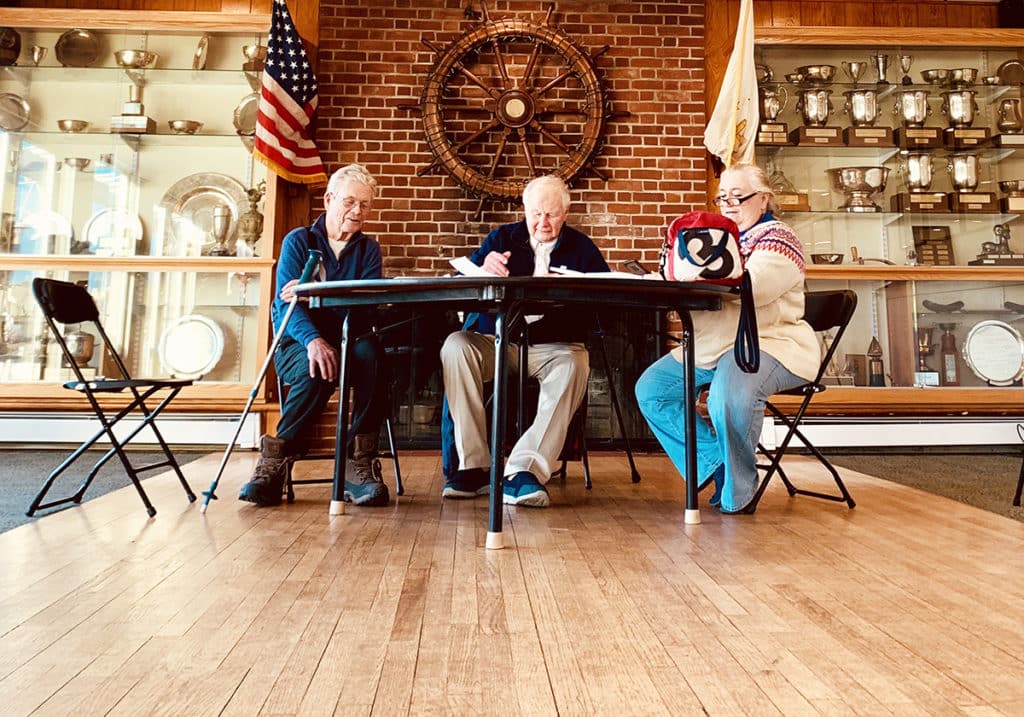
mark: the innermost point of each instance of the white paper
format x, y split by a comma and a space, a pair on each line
466, 267
599, 274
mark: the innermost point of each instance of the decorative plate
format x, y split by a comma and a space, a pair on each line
190, 346
1011, 72
112, 232
245, 114
77, 48
994, 350
188, 211
14, 111
199, 59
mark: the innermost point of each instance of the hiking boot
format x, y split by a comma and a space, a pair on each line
467, 483
363, 482
524, 489
268, 478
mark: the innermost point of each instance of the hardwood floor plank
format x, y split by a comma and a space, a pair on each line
604, 603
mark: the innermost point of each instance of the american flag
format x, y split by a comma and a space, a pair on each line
288, 100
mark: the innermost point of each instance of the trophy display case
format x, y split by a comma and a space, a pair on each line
917, 207
127, 166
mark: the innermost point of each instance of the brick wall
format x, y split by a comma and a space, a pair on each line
372, 61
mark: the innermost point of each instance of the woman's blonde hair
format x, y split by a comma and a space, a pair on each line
758, 181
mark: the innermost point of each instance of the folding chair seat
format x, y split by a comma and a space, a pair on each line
824, 311
65, 303
330, 416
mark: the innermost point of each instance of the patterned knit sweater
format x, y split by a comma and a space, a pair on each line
774, 257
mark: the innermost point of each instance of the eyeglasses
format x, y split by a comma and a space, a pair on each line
732, 201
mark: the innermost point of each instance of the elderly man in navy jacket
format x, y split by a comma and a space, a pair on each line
557, 356
307, 357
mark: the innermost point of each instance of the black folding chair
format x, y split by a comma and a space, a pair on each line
66, 303
824, 311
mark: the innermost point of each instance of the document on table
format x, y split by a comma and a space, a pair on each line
466, 267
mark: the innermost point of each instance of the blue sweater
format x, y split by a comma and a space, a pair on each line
360, 259
573, 250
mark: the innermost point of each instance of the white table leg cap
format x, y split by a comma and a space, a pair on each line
495, 541
337, 507
202, 509
692, 517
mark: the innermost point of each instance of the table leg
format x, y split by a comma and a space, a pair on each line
341, 429
692, 514
495, 539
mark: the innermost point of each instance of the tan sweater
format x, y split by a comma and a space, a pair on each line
775, 259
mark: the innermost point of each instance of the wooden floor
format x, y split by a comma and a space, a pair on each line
605, 603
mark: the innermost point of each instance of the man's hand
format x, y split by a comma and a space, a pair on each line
496, 263
287, 294
323, 359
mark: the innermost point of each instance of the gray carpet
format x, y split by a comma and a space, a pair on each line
984, 480
23, 471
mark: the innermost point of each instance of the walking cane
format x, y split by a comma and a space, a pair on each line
314, 260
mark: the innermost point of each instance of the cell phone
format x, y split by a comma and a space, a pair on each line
635, 267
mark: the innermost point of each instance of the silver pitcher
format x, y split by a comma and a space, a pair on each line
862, 106
1010, 121
912, 107
917, 168
959, 106
814, 106
773, 101
963, 171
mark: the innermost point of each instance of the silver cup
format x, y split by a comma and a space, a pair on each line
959, 106
881, 66
906, 61
912, 107
917, 169
773, 101
1010, 121
963, 171
855, 70
862, 106
858, 184
814, 106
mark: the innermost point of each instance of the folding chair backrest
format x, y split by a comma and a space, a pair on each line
829, 311
66, 303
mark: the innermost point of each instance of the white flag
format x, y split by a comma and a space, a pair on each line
732, 129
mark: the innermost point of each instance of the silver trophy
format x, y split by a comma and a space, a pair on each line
1010, 121
858, 184
862, 107
905, 63
854, 70
221, 226
918, 170
963, 171
882, 66
773, 102
814, 106
912, 107
959, 106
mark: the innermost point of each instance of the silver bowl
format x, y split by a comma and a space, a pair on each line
72, 125
254, 52
858, 184
827, 258
135, 59
794, 78
823, 74
963, 76
935, 77
1012, 185
78, 163
183, 126
990, 80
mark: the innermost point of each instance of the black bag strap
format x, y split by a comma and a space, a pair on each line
747, 349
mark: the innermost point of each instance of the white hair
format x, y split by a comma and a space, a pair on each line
548, 181
758, 181
355, 172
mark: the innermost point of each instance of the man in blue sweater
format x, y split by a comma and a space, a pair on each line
557, 355
307, 357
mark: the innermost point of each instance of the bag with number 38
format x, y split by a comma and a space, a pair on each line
705, 247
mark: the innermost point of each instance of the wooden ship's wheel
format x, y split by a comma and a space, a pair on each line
510, 100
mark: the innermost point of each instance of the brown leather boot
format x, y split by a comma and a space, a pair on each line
268, 478
363, 482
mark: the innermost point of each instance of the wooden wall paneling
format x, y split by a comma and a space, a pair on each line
858, 14
785, 13
932, 14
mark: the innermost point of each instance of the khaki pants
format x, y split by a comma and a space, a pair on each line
467, 359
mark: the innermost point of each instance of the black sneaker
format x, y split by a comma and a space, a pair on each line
467, 484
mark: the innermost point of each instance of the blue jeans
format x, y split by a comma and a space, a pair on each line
736, 408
